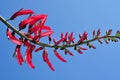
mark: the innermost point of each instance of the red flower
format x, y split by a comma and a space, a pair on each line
37, 49
13, 38
32, 20
82, 48
98, 32
18, 55
82, 37
28, 56
35, 28
68, 51
63, 38
85, 34
21, 12
39, 35
79, 51
46, 59
94, 33
70, 38
44, 55
58, 56
47, 33
55, 41
26, 43
43, 20
46, 28
62, 35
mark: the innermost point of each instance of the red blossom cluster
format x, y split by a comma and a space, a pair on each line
36, 29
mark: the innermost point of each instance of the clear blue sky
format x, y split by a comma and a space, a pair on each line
66, 15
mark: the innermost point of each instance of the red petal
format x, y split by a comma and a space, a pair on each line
46, 33
71, 38
29, 55
58, 56
49, 64
85, 35
71, 35
13, 38
43, 20
34, 29
18, 55
23, 23
94, 33
32, 20
29, 59
62, 35
66, 35
61, 40
21, 12
46, 28
79, 51
37, 49
26, 43
46, 59
44, 55
54, 40
83, 48
98, 32
70, 53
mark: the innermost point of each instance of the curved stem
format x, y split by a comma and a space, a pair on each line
51, 45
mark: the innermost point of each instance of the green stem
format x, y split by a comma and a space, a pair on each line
50, 45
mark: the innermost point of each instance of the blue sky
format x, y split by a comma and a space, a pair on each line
66, 15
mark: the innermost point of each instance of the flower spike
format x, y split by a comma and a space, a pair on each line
36, 31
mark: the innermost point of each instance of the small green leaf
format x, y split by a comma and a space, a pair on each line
114, 39
118, 33
106, 40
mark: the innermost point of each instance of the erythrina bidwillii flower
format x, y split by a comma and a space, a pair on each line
46, 59
28, 56
32, 20
18, 55
12, 37
58, 56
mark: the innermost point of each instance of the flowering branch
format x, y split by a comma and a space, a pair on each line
51, 45
37, 30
